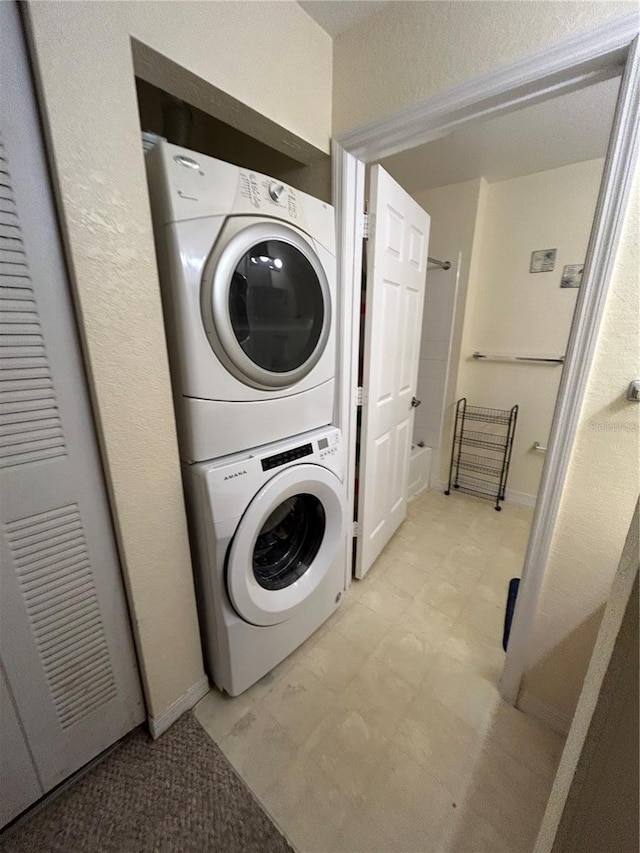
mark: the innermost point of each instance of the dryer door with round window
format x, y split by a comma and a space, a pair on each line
266, 303
285, 544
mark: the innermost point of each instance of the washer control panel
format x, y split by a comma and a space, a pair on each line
278, 459
329, 446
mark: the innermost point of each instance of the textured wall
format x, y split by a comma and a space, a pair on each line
409, 50
598, 499
84, 64
593, 806
605, 816
515, 311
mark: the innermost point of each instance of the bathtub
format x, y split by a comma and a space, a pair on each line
419, 470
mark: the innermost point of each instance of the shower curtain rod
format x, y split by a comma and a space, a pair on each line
445, 265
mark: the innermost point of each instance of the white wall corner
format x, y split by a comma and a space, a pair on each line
159, 725
548, 715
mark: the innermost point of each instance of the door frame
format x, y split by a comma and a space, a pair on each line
573, 63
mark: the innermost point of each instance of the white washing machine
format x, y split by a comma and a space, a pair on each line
267, 532
247, 268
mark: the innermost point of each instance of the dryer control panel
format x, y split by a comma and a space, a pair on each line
267, 195
186, 185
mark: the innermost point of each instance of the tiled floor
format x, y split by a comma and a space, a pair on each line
385, 731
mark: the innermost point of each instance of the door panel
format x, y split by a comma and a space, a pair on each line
396, 261
66, 643
402, 445
18, 778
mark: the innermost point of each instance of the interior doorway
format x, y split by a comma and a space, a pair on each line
508, 240
500, 194
494, 332
512, 89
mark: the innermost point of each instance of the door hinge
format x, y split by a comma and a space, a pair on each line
356, 529
366, 226
359, 396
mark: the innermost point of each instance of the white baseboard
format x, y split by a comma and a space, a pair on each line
551, 717
515, 497
412, 495
520, 498
158, 725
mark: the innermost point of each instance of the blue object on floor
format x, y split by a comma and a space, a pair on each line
514, 583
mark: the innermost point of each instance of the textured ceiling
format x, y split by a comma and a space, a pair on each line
563, 130
336, 16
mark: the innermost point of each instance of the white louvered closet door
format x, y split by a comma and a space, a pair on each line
65, 642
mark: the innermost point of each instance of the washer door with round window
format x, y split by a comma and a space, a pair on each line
285, 544
265, 303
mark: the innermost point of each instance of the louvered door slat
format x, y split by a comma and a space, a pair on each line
33, 578
11, 339
10, 231
58, 608
10, 244
13, 267
8, 217
89, 657
60, 641
14, 388
16, 293
80, 621
26, 360
18, 281
25, 425
16, 306
24, 364
12, 354
52, 585
26, 437
7, 206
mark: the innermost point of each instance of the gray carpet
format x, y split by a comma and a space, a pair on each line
177, 794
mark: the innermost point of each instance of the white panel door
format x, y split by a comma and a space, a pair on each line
396, 271
65, 641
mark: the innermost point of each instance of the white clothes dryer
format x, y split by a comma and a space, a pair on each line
267, 531
247, 270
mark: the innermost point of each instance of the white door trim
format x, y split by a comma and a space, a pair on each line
564, 66
348, 199
601, 252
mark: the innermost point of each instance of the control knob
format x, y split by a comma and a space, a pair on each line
276, 190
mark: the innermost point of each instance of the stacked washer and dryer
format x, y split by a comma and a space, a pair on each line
247, 270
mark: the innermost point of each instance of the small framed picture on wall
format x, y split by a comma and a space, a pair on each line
572, 275
543, 260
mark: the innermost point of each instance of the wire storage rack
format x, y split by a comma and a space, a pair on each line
481, 450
